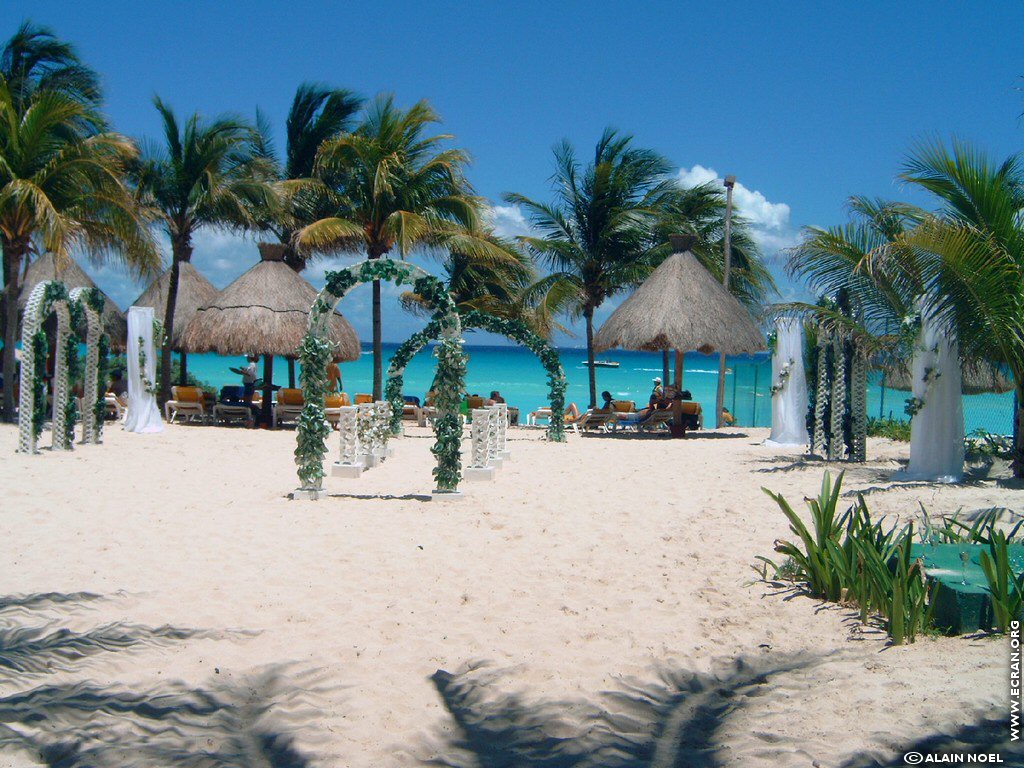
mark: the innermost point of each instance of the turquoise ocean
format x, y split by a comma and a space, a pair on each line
519, 376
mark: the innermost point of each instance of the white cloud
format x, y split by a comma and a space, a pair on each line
508, 221
769, 222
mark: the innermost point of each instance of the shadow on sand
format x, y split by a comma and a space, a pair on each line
240, 722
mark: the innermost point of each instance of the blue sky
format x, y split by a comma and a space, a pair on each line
806, 103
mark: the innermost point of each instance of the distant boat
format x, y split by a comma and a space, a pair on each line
605, 364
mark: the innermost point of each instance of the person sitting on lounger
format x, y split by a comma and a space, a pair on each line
572, 413
495, 398
608, 406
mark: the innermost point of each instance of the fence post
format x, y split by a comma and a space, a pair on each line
753, 417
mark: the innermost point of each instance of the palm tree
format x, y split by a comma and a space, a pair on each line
598, 233
397, 188
318, 114
971, 256
206, 174
62, 189
700, 210
34, 60
867, 263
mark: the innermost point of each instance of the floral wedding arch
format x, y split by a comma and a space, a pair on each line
315, 353
512, 329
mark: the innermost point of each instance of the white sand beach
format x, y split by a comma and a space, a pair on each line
580, 567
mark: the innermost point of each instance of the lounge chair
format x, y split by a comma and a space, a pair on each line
655, 421
474, 401
332, 407
624, 406
288, 406
117, 406
231, 406
593, 419
411, 410
187, 401
540, 413
362, 398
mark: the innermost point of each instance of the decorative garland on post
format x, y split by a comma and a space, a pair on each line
821, 396
512, 329
836, 446
89, 303
315, 352
47, 297
76, 316
858, 403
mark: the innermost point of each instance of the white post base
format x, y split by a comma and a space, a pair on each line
369, 460
347, 470
478, 473
496, 462
303, 493
506, 455
436, 495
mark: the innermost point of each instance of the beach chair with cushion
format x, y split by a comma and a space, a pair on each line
624, 406
474, 401
363, 398
540, 413
188, 401
597, 419
656, 421
288, 406
332, 407
411, 410
231, 406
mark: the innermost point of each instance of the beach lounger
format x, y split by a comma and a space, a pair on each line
593, 420
655, 421
187, 401
288, 406
332, 407
363, 398
231, 406
540, 413
116, 406
411, 409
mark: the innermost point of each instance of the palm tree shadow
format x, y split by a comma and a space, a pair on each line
251, 722
674, 720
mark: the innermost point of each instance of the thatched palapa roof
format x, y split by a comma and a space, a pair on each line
976, 378
73, 276
264, 312
194, 291
681, 307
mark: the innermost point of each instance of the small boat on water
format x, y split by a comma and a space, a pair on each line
605, 364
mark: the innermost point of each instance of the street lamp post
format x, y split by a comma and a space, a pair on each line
730, 182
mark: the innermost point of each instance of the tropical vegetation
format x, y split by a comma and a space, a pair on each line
63, 185
205, 173
398, 188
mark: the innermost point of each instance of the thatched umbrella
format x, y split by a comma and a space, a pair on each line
681, 307
194, 291
73, 276
264, 312
977, 378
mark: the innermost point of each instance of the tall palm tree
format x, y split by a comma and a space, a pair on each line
205, 174
318, 114
34, 59
62, 189
598, 233
865, 261
398, 188
700, 210
971, 256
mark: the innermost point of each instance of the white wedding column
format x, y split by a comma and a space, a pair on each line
789, 400
937, 429
143, 414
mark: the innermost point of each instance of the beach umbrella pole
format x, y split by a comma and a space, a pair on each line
664, 365
183, 365
679, 371
730, 182
291, 373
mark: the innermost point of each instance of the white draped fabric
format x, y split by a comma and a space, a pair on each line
937, 430
143, 414
789, 404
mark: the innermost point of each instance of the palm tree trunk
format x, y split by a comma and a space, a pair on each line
267, 407
12, 257
181, 250
588, 314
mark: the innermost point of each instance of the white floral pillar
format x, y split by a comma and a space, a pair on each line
789, 387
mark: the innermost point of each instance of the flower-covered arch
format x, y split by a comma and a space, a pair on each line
315, 351
48, 297
90, 303
512, 329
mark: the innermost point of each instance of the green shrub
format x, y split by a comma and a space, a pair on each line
1006, 589
894, 429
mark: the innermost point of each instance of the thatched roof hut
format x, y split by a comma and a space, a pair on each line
194, 291
264, 312
681, 307
73, 276
976, 378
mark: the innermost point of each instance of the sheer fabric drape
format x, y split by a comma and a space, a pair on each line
143, 414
